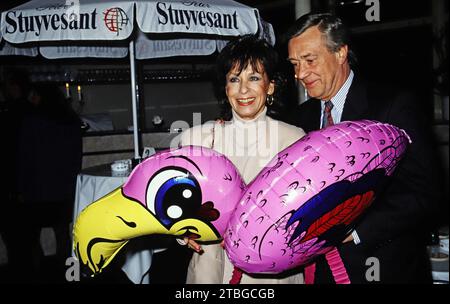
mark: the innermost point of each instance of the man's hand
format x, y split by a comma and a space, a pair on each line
349, 238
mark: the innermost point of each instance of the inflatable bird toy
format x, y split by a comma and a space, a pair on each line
190, 191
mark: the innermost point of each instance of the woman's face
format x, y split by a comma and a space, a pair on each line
247, 91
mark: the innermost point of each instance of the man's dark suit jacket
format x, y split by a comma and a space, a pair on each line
394, 229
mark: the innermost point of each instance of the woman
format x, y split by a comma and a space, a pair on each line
246, 70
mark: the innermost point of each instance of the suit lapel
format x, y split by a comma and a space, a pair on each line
308, 116
315, 119
357, 103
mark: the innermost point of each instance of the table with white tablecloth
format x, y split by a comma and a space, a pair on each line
92, 184
439, 256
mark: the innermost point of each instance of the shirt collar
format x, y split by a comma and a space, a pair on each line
338, 100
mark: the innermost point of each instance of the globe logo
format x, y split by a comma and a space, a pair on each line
115, 19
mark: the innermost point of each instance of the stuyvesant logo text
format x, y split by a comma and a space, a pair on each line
189, 18
25, 24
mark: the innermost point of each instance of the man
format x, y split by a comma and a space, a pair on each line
394, 230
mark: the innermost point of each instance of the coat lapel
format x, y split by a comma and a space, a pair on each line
315, 119
357, 103
308, 115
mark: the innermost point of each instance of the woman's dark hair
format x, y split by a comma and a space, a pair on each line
239, 53
332, 28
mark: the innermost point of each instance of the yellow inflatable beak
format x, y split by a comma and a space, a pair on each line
105, 226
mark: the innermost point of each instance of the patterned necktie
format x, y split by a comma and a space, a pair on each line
327, 119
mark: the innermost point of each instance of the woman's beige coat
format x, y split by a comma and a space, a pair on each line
250, 145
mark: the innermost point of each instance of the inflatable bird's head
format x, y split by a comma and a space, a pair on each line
190, 191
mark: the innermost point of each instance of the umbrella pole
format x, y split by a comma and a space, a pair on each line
134, 101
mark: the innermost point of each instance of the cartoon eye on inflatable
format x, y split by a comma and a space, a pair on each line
310, 196
190, 191
173, 194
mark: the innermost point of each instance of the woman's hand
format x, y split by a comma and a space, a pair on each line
194, 245
191, 244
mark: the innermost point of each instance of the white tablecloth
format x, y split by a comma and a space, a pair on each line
92, 185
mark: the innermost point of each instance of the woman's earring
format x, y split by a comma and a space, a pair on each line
269, 100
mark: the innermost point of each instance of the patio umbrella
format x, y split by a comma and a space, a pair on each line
6, 49
68, 29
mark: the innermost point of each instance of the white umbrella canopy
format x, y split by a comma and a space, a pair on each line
72, 29
60, 20
6, 49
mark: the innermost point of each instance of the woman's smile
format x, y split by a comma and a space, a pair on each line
246, 101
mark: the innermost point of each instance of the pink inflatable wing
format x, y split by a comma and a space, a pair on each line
309, 197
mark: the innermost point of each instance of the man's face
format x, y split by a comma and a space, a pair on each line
320, 71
